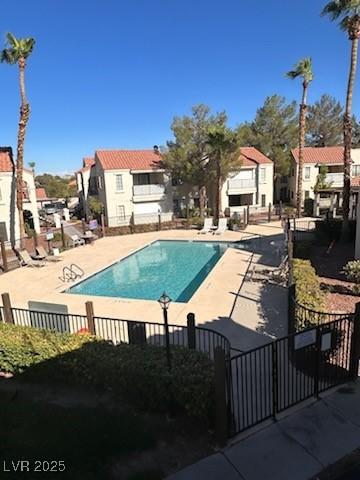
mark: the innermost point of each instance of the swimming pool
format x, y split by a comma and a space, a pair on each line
177, 267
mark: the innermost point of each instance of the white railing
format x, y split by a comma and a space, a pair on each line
148, 190
241, 183
335, 179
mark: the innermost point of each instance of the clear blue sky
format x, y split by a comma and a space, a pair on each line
113, 73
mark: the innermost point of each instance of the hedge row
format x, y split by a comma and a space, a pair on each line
308, 292
148, 227
137, 374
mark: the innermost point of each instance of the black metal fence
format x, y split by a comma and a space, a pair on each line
122, 331
265, 381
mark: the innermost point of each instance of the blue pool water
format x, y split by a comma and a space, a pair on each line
178, 267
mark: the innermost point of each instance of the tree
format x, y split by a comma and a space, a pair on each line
324, 122
348, 12
17, 52
273, 132
355, 133
187, 156
302, 69
55, 186
32, 166
224, 157
96, 207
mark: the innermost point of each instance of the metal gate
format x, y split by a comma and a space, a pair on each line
274, 377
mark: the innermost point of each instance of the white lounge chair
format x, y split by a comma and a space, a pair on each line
48, 258
28, 261
76, 240
208, 224
222, 226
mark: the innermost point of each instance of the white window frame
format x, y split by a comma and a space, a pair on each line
119, 176
121, 215
262, 175
100, 182
307, 169
355, 168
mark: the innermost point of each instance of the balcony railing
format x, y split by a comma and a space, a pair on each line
241, 183
335, 179
142, 190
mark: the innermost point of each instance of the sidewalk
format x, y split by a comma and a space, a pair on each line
298, 447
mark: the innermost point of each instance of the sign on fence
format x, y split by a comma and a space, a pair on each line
305, 339
93, 225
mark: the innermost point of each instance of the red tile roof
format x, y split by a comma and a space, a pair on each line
324, 155
41, 194
88, 161
5, 162
355, 181
251, 157
129, 159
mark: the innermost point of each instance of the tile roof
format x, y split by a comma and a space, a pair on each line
41, 194
5, 162
325, 155
88, 161
251, 156
355, 181
129, 159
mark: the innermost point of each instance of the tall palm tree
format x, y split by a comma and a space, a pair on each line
348, 12
302, 69
16, 52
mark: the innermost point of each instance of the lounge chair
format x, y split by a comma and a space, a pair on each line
76, 240
44, 256
222, 226
208, 225
28, 261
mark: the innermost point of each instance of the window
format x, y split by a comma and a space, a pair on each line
262, 175
119, 183
100, 182
263, 200
307, 172
307, 194
356, 170
292, 195
120, 212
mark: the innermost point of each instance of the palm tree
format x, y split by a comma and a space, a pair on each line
16, 52
302, 69
32, 166
348, 12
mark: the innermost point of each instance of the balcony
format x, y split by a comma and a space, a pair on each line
148, 192
241, 184
335, 179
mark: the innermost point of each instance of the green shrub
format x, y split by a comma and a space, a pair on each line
302, 249
352, 272
137, 374
308, 292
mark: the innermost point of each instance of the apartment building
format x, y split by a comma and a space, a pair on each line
330, 161
252, 184
9, 217
131, 184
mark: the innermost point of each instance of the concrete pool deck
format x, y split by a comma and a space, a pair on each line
214, 298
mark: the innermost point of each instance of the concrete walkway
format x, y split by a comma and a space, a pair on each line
299, 446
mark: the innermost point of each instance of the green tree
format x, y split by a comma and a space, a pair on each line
187, 156
324, 122
32, 166
224, 157
303, 70
321, 182
17, 52
95, 206
55, 186
273, 132
348, 13
355, 133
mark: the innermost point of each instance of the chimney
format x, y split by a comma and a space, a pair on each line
156, 149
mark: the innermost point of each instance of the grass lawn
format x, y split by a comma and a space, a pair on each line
94, 442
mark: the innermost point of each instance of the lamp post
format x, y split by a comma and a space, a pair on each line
164, 301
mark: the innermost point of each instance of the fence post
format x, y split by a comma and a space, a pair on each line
274, 378
103, 225
132, 222
191, 331
269, 212
35, 237
63, 235
83, 225
317, 363
159, 221
4, 257
221, 420
280, 210
355, 344
7, 308
247, 214
291, 308
90, 317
